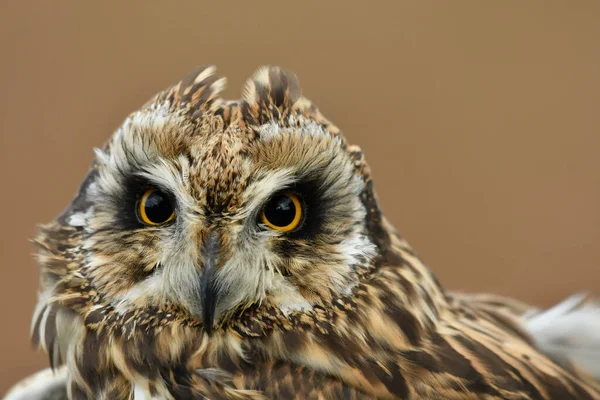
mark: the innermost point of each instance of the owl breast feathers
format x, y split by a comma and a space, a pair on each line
235, 250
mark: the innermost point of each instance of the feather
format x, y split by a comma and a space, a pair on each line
569, 331
43, 385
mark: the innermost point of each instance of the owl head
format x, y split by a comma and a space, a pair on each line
199, 208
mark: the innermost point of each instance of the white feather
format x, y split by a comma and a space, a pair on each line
271, 129
569, 330
43, 385
140, 394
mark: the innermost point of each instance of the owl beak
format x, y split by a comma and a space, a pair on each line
210, 294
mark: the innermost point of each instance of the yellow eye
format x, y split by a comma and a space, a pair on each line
283, 212
155, 208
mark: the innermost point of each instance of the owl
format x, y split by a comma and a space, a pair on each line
224, 249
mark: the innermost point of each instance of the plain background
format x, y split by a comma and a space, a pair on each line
480, 121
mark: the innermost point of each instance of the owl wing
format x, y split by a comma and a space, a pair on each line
569, 332
489, 353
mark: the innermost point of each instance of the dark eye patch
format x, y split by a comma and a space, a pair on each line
312, 209
126, 203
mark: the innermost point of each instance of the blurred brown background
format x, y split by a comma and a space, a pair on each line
481, 122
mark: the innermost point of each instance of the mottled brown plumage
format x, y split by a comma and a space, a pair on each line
216, 305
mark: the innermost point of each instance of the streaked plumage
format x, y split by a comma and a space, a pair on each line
217, 305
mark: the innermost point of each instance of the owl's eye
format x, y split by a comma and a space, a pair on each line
283, 212
155, 208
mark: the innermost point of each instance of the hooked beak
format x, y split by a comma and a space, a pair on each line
210, 294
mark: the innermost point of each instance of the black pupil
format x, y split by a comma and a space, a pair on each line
280, 211
158, 207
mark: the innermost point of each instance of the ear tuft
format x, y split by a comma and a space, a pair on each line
196, 93
272, 86
273, 94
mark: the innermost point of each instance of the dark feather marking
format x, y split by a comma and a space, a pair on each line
394, 380
406, 321
141, 354
345, 349
493, 363
423, 359
456, 364
528, 387
81, 202
90, 360
556, 389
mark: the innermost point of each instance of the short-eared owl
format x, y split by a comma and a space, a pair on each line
225, 249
